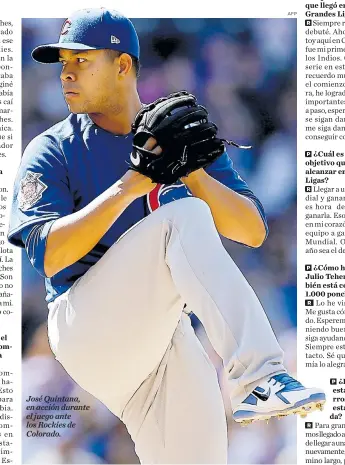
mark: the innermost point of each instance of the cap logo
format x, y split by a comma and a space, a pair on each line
114, 40
65, 27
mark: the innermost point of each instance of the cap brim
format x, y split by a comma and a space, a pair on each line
50, 53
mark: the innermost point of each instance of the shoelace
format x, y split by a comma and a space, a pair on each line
287, 380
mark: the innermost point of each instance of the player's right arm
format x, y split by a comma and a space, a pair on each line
45, 219
73, 236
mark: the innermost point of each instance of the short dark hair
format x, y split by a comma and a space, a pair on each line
136, 62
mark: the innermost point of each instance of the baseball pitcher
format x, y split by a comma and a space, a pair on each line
119, 207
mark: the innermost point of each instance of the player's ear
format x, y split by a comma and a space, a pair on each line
125, 64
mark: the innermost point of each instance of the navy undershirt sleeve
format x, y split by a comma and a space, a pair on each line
35, 240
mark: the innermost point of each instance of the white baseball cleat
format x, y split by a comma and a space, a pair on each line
280, 395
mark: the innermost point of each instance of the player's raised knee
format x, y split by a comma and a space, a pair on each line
193, 205
190, 210
184, 211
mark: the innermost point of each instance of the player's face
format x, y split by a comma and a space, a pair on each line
89, 81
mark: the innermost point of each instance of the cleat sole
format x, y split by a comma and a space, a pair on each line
246, 422
303, 410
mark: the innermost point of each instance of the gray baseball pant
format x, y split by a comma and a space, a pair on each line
121, 334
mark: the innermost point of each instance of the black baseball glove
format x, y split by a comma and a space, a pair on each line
182, 129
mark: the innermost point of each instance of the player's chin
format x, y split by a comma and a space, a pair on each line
75, 108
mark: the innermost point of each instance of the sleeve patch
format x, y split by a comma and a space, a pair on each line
30, 190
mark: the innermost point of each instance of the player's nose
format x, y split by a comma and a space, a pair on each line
67, 74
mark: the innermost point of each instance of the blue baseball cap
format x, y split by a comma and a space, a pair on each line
92, 29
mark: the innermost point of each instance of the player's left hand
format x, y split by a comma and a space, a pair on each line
151, 144
187, 138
